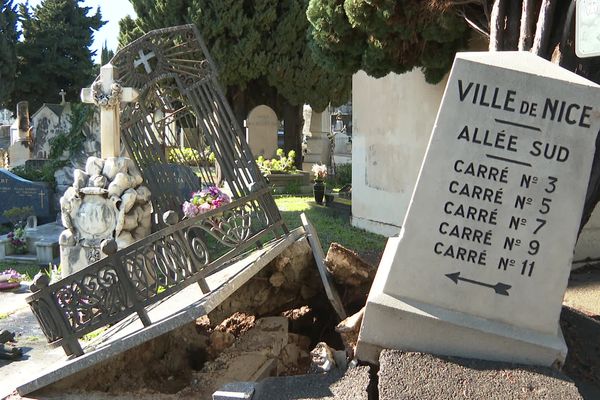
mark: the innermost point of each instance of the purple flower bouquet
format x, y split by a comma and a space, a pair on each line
205, 200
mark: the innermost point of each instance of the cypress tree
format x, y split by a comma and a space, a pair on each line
55, 53
261, 51
9, 37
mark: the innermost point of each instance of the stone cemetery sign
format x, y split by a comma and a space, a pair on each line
18, 192
483, 258
261, 131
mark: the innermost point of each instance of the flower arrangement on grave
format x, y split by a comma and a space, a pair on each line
205, 200
320, 172
10, 279
17, 240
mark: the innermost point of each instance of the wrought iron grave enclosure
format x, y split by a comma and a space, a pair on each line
178, 124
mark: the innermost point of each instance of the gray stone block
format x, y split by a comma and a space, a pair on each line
235, 390
337, 384
423, 376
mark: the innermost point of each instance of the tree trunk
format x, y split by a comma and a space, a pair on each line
564, 52
543, 29
511, 37
292, 125
497, 21
593, 191
527, 24
237, 99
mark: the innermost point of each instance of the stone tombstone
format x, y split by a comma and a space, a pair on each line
18, 192
316, 129
483, 258
32, 223
106, 201
261, 131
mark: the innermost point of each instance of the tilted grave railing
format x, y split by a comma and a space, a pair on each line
180, 105
148, 271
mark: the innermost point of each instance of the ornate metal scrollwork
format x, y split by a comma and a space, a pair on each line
99, 293
43, 312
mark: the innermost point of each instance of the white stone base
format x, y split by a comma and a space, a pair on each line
378, 227
393, 323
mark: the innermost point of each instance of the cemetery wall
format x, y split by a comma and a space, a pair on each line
392, 121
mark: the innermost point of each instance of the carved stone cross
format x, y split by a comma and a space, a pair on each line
108, 94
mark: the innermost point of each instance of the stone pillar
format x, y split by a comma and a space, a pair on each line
20, 148
316, 128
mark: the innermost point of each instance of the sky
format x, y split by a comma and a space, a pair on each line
112, 11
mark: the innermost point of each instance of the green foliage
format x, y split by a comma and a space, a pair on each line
292, 188
54, 53
260, 44
281, 165
186, 155
343, 175
191, 156
63, 145
329, 224
9, 37
17, 215
72, 142
386, 36
43, 174
106, 54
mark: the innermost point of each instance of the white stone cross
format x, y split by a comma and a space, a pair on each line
62, 94
108, 95
144, 58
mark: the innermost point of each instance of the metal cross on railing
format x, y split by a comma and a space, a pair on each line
144, 58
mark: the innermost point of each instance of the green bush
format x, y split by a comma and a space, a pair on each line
43, 174
281, 165
17, 215
190, 156
343, 175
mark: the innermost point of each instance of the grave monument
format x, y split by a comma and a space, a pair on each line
107, 199
18, 192
483, 258
261, 131
19, 150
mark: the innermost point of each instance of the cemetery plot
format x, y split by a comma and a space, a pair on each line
171, 98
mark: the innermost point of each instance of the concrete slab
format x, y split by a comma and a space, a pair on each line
335, 385
422, 376
14, 300
29, 337
173, 312
49, 232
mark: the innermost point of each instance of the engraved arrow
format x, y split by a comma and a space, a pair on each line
499, 288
